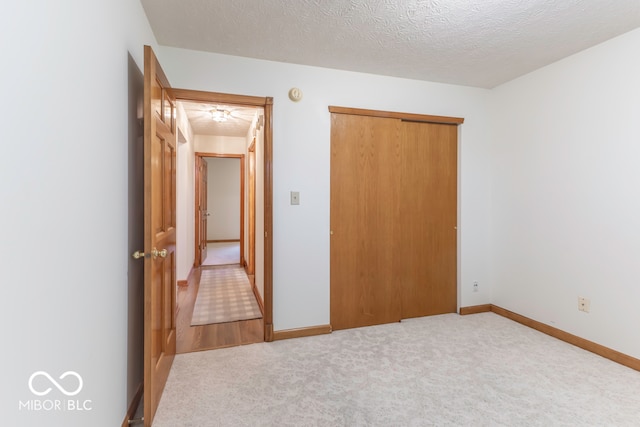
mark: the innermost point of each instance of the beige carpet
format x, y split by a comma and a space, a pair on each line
449, 370
224, 295
222, 253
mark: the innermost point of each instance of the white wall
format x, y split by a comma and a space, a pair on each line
220, 144
65, 83
185, 197
566, 185
223, 198
301, 163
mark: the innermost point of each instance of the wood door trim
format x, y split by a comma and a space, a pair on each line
197, 254
219, 155
268, 219
217, 97
250, 265
424, 118
241, 157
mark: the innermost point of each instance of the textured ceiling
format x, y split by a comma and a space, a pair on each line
470, 42
199, 116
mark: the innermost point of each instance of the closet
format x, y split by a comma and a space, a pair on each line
393, 216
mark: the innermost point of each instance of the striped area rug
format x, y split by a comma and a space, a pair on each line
224, 295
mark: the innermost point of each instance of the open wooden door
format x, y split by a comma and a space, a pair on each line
204, 208
201, 211
159, 233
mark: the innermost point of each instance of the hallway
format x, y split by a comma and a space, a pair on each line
213, 336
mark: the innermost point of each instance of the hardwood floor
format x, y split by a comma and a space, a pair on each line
209, 337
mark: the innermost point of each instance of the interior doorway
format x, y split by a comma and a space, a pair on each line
258, 255
162, 139
220, 210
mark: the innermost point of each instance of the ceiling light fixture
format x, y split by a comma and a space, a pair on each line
219, 115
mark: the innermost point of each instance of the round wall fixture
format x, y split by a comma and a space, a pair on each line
295, 94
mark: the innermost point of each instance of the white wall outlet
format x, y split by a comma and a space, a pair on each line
295, 197
584, 304
475, 286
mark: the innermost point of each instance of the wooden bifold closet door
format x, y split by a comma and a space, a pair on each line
393, 218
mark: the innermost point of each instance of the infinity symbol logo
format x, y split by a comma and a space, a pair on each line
55, 383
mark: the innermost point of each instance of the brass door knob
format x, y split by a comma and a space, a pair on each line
138, 255
156, 253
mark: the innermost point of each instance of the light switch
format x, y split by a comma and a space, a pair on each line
295, 197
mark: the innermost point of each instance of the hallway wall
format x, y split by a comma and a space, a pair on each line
185, 197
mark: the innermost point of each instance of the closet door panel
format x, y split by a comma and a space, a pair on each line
365, 211
428, 200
